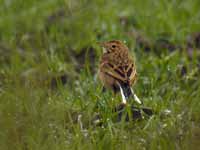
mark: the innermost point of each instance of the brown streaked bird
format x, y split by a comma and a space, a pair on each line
117, 69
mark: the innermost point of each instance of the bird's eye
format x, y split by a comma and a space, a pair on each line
113, 46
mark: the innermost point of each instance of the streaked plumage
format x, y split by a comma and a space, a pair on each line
117, 69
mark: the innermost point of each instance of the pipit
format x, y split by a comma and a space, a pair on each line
117, 69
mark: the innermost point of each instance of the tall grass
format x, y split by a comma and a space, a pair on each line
43, 40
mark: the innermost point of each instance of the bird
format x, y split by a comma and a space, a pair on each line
117, 70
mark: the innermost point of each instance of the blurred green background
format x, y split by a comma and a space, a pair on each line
48, 64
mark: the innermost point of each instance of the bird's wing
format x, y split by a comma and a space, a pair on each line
131, 72
123, 73
113, 71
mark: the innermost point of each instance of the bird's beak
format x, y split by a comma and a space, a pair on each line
102, 44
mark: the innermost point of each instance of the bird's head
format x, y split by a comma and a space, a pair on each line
113, 46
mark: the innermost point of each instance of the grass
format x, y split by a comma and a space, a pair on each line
46, 43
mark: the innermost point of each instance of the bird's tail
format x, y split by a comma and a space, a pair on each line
127, 92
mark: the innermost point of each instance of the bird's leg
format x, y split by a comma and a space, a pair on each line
136, 98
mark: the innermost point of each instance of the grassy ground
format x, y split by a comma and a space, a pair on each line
48, 65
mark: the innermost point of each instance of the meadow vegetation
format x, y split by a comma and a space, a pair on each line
49, 90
